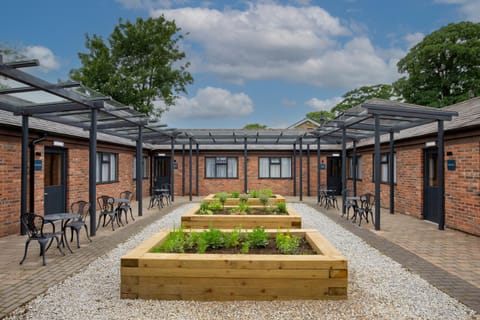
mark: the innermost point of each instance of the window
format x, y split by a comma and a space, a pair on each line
384, 167
274, 167
144, 167
221, 167
359, 167
107, 167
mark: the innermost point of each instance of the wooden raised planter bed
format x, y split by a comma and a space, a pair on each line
191, 220
226, 277
251, 201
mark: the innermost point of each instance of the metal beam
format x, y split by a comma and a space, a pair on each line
139, 169
92, 172
441, 174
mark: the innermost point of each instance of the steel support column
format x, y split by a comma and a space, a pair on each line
376, 170
183, 170
139, 169
300, 143
318, 170
92, 172
355, 168
172, 169
245, 165
294, 169
344, 168
196, 169
308, 170
24, 172
190, 170
441, 174
391, 176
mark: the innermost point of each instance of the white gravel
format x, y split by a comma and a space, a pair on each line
379, 288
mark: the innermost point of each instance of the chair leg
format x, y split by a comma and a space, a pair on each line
77, 231
26, 249
131, 214
86, 232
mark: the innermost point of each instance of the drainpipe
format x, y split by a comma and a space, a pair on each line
32, 171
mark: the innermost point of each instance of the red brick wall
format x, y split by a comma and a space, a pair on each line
279, 186
76, 180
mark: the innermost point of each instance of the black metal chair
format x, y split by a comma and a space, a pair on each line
349, 203
331, 199
155, 198
125, 206
107, 209
34, 224
165, 194
366, 207
82, 208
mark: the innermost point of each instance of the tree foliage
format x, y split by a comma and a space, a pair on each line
252, 126
357, 96
320, 116
142, 62
444, 68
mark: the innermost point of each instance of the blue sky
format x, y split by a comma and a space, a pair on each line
267, 62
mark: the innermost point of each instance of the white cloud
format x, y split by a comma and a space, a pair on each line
47, 59
414, 38
470, 9
270, 41
289, 103
210, 102
323, 105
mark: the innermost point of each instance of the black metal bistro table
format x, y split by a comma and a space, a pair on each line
64, 217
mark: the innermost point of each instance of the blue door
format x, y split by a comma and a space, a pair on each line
55, 180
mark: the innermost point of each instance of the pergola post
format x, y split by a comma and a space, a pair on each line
196, 169
183, 170
92, 174
300, 144
139, 169
308, 170
245, 164
294, 169
24, 172
190, 170
441, 174
355, 167
391, 175
318, 170
376, 170
344, 168
172, 169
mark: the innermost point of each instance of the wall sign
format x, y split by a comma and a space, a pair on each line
38, 165
451, 165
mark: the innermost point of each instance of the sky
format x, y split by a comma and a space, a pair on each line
268, 62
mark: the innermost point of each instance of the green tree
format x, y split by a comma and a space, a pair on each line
444, 68
253, 126
320, 116
357, 96
142, 62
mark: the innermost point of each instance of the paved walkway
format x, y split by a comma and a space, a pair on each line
449, 260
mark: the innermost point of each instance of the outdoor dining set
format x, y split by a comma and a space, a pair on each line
360, 205
44, 230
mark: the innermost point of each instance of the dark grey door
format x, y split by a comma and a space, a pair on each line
431, 193
54, 180
334, 174
161, 171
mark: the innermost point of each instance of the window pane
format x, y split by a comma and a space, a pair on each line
264, 168
98, 167
359, 168
210, 167
232, 168
275, 171
221, 171
113, 167
384, 171
286, 167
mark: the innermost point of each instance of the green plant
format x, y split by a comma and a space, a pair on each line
222, 197
174, 242
204, 208
243, 198
245, 247
258, 238
232, 239
243, 208
282, 207
264, 199
267, 192
286, 243
213, 238
254, 194
191, 240
235, 194
215, 206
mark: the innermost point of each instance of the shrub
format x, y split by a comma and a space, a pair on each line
222, 197
235, 194
258, 238
254, 194
243, 198
264, 199
286, 243
282, 207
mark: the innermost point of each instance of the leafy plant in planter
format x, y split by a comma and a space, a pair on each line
287, 243
243, 198
258, 238
264, 200
205, 208
235, 194
266, 192
222, 197
282, 207
254, 194
215, 206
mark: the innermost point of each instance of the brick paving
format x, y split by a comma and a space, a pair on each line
449, 260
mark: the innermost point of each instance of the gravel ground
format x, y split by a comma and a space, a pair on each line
379, 288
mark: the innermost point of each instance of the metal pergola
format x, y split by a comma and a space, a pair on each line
81, 107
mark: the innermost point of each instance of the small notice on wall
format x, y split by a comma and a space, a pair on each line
38, 164
451, 164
